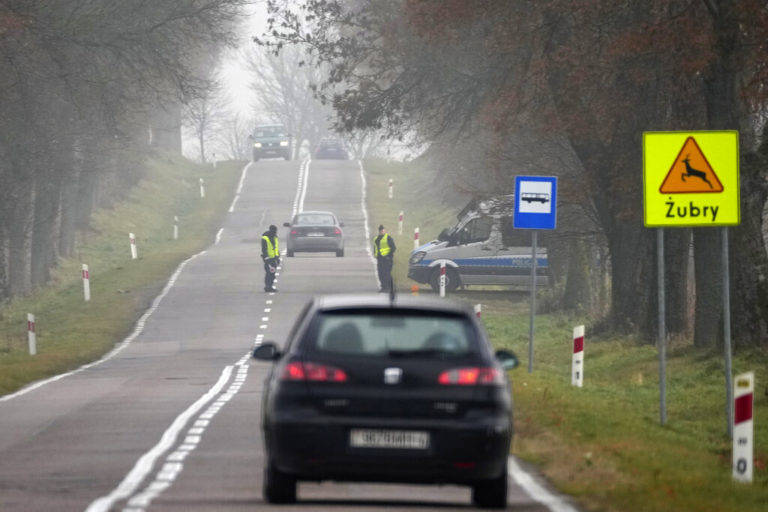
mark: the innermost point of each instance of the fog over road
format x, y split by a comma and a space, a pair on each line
171, 421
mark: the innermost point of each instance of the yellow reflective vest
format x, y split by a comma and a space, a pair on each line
382, 248
273, 251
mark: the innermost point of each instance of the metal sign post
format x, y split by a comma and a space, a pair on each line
727, 333
662, 326
691, 179
534, 240
535, 208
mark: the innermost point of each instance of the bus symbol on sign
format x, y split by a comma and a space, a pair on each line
531, 197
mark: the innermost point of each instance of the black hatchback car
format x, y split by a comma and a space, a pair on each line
387, 389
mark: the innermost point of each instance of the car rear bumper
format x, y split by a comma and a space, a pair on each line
320, 243
458, 452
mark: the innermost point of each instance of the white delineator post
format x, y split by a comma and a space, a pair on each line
31, 336
416, 238
132, 239
389, 192
743, 426
577, 367
86, 283
400, 224
478, 310
202, 188
175, 227
442, 279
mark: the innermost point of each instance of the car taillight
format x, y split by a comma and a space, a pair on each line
338, 231
313, 372
471, 377
293, 231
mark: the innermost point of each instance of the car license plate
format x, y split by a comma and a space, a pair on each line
408, 439
315, 234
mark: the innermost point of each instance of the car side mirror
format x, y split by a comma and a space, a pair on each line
341, 224
507, 359
250, 137
443, 236
267, 351
287, 224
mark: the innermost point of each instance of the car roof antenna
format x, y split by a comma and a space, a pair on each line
391, 291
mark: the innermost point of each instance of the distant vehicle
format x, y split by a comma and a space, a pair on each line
370, 388
270, 141
481, 249
332, 149
315, 231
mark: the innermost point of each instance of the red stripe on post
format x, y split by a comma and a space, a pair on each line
578, 344
743, 409
30, 326
442, 270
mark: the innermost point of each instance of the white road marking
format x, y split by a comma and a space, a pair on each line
301, 187
119, 348
173, 465
368, 241
535, 490
239, 188
147, 461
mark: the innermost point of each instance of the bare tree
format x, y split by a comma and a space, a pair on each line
205, 116
234, 137
285, 86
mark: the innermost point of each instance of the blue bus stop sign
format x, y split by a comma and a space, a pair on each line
535, 202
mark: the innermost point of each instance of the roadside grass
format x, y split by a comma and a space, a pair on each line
415, 194
71, 332
602, 444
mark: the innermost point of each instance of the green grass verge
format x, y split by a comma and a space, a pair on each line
415, 194
603, 444
71, 332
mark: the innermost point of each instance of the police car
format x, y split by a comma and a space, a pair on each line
481, 249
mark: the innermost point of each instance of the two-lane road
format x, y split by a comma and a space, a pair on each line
170, 420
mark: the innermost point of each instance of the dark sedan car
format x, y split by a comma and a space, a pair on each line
331, 149
315, 232
382, 389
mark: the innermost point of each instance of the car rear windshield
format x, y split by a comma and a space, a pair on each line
393, 333
313, 220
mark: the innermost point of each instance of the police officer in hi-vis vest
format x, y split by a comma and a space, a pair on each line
384, 250
270, 253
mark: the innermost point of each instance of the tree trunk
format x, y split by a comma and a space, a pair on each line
677, 254
577, 294
20, 240
748, 261
709, 298
632, 279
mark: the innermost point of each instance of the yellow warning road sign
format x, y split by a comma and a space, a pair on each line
691, 179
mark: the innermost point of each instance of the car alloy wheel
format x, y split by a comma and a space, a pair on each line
451, 280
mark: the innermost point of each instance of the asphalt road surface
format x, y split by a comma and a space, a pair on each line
169, 421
